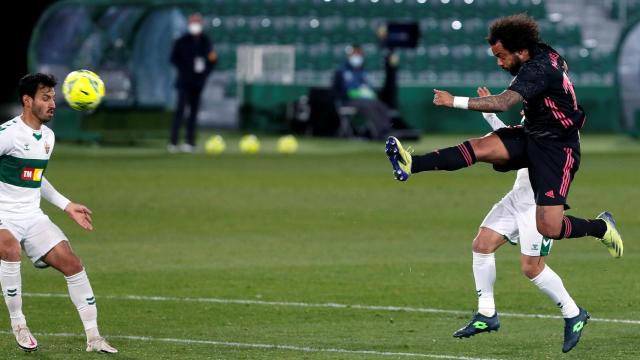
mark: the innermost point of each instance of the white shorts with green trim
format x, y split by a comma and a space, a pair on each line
37, 235
514, 217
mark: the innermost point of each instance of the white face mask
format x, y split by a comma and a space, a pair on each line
195, 28
356, 60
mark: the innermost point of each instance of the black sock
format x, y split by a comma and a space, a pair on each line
573, 227
452, 158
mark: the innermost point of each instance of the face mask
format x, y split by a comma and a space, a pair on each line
195, 28
356, 60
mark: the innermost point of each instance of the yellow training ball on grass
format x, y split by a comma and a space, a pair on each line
249, 144
215, 145
287, 144
83, 90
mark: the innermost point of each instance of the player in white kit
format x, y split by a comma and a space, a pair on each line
513, 219
26, 145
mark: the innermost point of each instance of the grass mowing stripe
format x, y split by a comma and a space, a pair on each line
269, 346
323, 305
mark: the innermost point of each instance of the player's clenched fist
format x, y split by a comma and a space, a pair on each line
442, 98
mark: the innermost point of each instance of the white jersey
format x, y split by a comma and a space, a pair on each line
24, 154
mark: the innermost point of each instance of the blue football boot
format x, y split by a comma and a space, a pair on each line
477, 325
573, 329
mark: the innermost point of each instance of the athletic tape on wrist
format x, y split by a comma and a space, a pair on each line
460, 102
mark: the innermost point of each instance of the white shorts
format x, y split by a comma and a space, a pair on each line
37, 234
514, 217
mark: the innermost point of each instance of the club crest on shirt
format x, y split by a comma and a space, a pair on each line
47, 147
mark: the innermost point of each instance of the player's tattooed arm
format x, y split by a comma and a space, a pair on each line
495, 103
487, 104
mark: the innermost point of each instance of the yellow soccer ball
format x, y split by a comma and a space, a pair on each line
287, 144
249, 144
83, 90
215, 145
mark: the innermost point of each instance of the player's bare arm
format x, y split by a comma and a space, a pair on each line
491, 103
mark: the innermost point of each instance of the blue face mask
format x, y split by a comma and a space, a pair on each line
356, 60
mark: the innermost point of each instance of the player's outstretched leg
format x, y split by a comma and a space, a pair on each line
573, 330
611, 239
478, 324
452, 158
449, 159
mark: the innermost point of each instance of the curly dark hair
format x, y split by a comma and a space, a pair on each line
30, 83
515, 32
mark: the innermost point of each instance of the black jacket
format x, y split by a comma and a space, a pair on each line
185, 50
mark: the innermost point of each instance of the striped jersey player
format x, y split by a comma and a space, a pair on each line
548, 144
512, 219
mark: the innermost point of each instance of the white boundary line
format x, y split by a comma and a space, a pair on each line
320, 305
269, 346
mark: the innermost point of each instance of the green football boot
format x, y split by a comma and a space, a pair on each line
399, 157
612, 239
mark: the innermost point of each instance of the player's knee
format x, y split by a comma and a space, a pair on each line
488, 149
479, 147
531, 270
481, 246
72, 266
11, 252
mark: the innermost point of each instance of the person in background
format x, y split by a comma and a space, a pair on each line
194, 58
388, 94
351, 88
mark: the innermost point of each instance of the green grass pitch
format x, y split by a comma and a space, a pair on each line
238, 256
